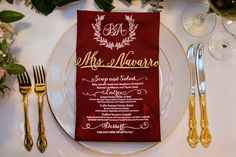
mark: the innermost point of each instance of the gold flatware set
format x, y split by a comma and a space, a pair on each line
40, 90
196, 61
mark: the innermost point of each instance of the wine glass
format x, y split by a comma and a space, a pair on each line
221, 44
228, 11
197, 21
230, 26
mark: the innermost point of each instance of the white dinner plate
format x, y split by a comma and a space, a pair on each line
174, 90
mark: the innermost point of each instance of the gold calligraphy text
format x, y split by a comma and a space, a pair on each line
123, 61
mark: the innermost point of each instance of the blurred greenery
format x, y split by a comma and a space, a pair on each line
47, 6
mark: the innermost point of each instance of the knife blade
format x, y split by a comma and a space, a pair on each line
200, 70
192, 134
205, 136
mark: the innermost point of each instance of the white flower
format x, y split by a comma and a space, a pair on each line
1, 33
7, 32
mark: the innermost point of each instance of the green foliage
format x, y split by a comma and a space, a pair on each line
8, 65
47, 6
105, 5
43, 6
9, 16
61, 3
7, 62
14, 69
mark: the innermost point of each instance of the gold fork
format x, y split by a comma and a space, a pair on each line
40, 90
25, 89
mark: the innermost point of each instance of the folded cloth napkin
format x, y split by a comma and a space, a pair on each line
117, 80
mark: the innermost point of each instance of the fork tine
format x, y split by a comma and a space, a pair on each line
35, 77
19, 79
22, 78
39, 74
27, 78
43, 73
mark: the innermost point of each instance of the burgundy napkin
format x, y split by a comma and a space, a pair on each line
117, 81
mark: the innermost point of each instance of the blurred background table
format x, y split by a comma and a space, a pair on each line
35, 42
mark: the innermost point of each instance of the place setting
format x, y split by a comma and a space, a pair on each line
101, 127
119, 82
115, 99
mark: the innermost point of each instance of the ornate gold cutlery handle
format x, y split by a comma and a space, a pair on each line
28, 141
205, 133
192, 134
42, 140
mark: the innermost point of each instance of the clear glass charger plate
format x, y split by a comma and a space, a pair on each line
174, 90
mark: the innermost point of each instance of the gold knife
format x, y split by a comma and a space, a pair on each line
205, 136
192, 134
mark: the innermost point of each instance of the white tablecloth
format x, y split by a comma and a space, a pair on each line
36, 39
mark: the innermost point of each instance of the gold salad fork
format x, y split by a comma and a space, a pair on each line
25, 89
40, 90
